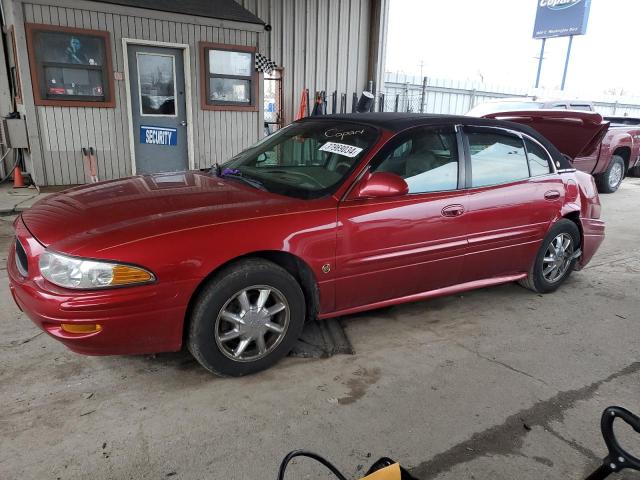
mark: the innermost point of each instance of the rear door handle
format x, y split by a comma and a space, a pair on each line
552, 195
452, 211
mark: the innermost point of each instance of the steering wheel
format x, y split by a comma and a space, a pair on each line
618, 458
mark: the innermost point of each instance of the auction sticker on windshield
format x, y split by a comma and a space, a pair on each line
341, 149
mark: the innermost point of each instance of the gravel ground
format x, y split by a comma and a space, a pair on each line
497, 383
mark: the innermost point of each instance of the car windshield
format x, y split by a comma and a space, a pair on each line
496, 107
307, 160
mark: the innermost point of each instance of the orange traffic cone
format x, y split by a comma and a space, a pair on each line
18, 181
302, 111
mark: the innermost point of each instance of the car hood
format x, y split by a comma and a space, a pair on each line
574, 133
85, 219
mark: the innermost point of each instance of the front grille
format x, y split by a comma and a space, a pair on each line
21, 259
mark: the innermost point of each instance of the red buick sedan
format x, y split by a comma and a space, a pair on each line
329, 216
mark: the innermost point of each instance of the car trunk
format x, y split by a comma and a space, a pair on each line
575, 134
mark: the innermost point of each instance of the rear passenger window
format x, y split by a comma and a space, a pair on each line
427, 159
538, 159
496, 158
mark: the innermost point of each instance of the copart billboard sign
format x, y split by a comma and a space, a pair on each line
559, 18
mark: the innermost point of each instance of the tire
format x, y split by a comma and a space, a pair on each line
540, 282
219, 323
609, 181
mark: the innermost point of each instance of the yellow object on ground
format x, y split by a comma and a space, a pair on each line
392, 472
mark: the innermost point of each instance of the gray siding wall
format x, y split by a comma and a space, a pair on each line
322, 45
63, 131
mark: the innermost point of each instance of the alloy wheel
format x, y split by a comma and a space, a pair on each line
558, 257
252, 323
615, 176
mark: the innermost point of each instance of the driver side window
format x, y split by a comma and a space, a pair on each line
427, 159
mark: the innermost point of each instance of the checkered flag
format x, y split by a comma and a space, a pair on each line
264, 64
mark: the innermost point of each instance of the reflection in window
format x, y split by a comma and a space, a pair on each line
496, 158
156, 77
298, 159
538, 159
229, 76
224, 62
230, 90
427, 160
70, 65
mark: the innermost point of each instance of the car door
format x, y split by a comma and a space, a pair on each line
398, 246
513, 196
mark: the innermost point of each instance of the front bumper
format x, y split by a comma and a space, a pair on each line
592, 237
133, 320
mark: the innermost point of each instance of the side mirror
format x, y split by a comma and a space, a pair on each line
381, 184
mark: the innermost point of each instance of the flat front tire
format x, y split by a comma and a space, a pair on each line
555, 259
246, 318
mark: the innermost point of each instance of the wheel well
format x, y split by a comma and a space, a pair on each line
625, 154
297, 267
575, 218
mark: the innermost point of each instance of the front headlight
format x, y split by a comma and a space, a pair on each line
71, 272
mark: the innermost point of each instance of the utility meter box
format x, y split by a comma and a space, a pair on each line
14, 133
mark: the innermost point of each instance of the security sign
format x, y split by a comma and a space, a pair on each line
158, 135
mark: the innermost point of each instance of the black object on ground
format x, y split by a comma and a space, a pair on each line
322, 339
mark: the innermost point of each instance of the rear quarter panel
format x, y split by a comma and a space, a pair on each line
588, 205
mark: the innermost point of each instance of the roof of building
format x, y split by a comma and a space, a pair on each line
397, 122
221, 9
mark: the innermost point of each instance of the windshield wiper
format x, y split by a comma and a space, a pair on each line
237, 174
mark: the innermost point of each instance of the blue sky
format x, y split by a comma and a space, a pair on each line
467, 39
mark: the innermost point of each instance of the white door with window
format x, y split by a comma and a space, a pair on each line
158, 108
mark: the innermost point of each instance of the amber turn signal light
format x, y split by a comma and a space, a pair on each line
124, 275
81, 328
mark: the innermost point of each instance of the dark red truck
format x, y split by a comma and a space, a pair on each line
608, 150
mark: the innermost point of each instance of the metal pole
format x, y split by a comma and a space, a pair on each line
544, 42
424, 94
406, 97
566, 63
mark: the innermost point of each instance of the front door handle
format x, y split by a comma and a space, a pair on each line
452, 211
552, 195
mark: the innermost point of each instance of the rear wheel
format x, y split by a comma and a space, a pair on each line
246, 318
555, 259
609, 180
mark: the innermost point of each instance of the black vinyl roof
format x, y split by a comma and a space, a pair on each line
397, 122
221, 9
